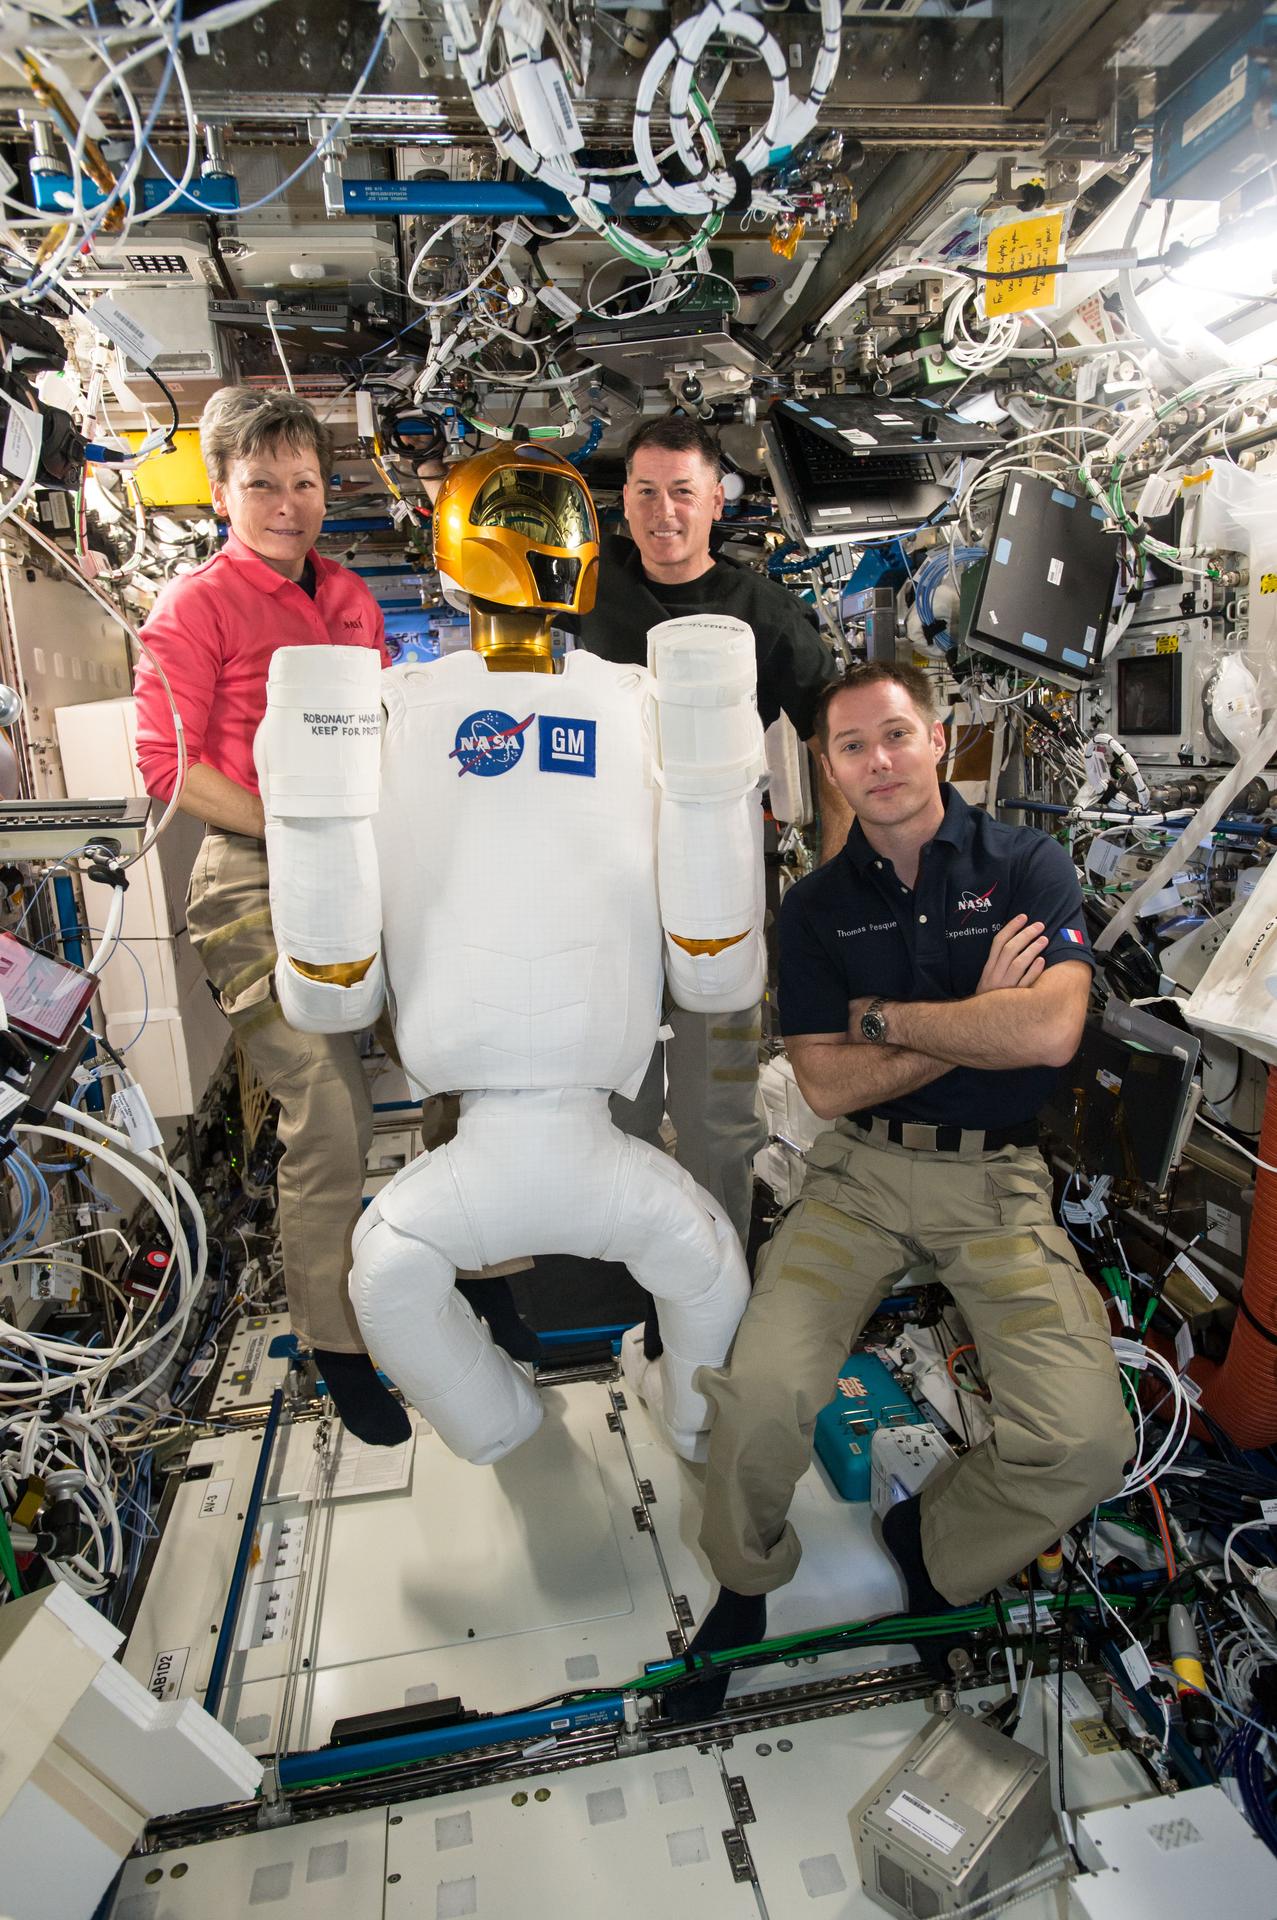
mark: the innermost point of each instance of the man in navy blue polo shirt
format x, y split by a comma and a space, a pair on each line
934, 978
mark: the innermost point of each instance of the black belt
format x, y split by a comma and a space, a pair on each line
928, 1139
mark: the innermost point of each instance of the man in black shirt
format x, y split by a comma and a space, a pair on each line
673, 496
933, 980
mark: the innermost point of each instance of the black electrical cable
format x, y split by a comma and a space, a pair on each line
414, 447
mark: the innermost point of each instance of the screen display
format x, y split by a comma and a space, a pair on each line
1148, 693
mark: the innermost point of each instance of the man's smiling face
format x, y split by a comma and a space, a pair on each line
672, 499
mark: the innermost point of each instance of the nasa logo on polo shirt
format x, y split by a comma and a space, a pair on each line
970, 902
489, 742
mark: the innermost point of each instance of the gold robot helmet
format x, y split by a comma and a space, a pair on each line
516, 528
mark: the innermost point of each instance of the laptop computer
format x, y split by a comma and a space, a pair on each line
847, 466
648, 347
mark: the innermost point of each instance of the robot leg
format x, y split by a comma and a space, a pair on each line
685, 1251
408, 1247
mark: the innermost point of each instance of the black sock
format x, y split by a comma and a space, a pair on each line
734, 1620
365, 1407
902, 1532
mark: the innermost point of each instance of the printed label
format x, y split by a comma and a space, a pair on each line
23, 432
1216, 107
1103, 857
1161, 39
217, 1497
124, 331
1225, 1226
167, 1673
935, 1828
558, 302
131, 1110
1055, 573
1136, 1661
1193, 1272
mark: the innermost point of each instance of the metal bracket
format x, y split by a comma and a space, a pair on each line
682, 1609
742, 1805
923, 301
647, 1491
274, 1808
738, 1855
642, 1519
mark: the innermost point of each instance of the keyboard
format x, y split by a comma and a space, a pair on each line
819, 465
52, 829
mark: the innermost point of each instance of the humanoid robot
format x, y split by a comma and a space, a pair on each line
516, 861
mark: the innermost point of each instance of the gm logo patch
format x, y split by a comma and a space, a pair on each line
489, 742
567, 746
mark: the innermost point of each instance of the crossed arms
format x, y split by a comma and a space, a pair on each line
1022, 1014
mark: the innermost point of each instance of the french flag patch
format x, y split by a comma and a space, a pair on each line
1074, 936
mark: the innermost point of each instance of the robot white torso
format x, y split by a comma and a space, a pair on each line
528, 950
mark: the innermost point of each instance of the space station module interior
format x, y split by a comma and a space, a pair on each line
977, 301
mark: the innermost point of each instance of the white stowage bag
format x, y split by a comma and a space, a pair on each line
318, 756
1237, 995
321, 733
710, 755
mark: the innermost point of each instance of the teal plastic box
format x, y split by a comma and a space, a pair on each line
867, 1398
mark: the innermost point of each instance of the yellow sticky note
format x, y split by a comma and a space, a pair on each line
1023, 243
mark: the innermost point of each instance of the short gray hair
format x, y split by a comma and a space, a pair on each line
241, 421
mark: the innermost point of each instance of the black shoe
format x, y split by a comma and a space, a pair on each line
364, 1405
734, 1620
902, 1533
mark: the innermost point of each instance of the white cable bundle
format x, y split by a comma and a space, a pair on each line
1144, 1472
788, 122
976, 353
523, 25
58, 1396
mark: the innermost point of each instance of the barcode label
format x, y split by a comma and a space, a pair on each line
124, 331
558, 302
1194, 1273
935, 1828
23, 433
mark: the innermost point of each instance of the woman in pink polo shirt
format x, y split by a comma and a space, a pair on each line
214, 630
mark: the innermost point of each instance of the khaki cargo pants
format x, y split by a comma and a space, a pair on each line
868, 1211
325, 1113
711, 1065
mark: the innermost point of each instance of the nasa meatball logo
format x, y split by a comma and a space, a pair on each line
969, 902
489, 742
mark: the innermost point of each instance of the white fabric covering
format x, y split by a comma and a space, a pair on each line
528, 863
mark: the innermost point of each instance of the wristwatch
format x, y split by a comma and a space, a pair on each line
873, 1021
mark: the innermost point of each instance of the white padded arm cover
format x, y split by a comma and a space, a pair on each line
709, 756
318, 755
